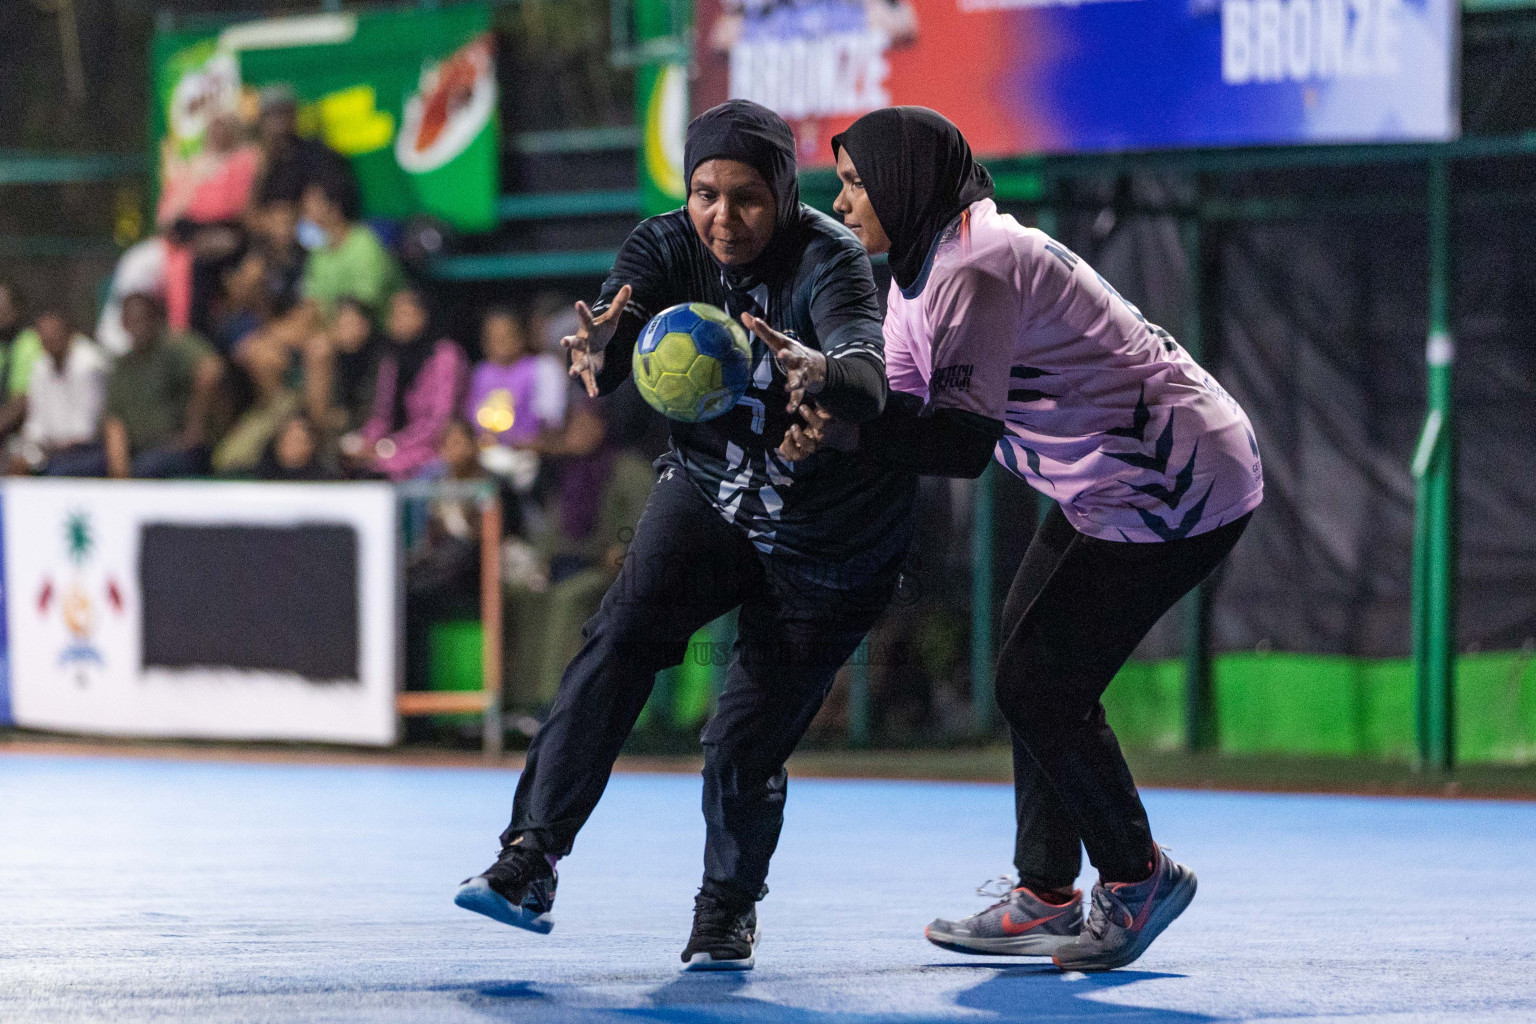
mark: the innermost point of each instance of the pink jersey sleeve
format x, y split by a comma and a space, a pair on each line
905, 368
973, 314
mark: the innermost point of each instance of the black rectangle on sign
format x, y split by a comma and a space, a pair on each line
265, 598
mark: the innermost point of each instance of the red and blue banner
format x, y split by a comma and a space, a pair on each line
1084, 76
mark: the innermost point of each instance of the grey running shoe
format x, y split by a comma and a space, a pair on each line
725, 935
1021, 924
519, 889
1126, 916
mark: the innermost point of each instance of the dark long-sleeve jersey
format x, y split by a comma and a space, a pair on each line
832, 506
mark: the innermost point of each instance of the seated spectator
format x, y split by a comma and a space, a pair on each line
14, 335
141, 268
416, 393
292, 163
159, 399
275, 235
215, 183
350, 262
244, 304
515, 394
60, 412
252, 433
293, 454
202, 206
358, 345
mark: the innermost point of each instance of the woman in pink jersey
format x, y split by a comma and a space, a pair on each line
1001, 341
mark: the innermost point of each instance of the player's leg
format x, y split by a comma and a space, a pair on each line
1043, 912
1100, 601
683, 569
793, 635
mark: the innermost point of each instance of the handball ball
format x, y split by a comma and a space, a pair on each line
692, 362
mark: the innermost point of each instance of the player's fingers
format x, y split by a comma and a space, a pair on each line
795, 445
590, 380
796, 397
616, 306
584, 314
815, 416
573, 341
772, 338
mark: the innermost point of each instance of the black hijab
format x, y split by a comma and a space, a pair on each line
919, 173
411, 356
756, 136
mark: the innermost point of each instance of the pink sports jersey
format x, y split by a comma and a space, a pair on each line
1105, 412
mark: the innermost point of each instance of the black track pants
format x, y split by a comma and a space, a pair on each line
1077, 609
799, 622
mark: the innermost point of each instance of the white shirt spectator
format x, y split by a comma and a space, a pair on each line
64, 407
141, 268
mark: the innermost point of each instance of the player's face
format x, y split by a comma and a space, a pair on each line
732, 210
858, 213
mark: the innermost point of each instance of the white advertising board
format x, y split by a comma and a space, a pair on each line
165, 609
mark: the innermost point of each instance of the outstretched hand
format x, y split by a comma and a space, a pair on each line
805, 367
591, 339
820, 430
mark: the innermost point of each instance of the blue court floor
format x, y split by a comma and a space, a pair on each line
140, 890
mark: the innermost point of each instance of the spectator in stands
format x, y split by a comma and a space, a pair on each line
273, 404
292, 163
141, 268
244, 305
293, 454
274, 234
202, 209
417, 391
214, 185
358, 346
159, 398
60, 412
515, 394
350, 262
17, 340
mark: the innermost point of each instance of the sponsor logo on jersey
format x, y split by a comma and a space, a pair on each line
953, 378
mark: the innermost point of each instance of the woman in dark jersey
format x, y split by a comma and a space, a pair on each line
807, 550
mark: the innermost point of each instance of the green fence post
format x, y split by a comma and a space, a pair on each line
1435, 500
1199, 687
981, 604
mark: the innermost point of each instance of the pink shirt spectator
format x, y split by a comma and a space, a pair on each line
209, 188
1105, 413
430, 404
512, 403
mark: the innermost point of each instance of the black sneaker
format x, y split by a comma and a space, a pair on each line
519, 889
725, 933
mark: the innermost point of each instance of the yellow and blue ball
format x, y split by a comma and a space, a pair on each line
692, 362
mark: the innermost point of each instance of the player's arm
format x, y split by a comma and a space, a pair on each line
953, 430
846, 311
604, 343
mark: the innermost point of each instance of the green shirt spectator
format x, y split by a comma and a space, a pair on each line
356, 266
24, 352
150, 389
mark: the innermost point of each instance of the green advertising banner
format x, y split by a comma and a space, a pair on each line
661, 92
409, 97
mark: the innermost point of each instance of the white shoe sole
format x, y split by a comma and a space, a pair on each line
1020, 945
477, 895
702, 961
